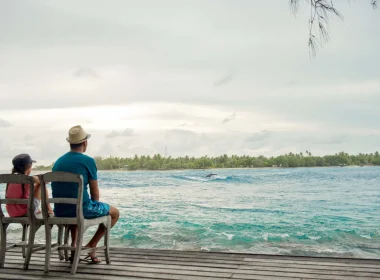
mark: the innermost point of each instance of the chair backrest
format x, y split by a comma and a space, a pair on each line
62, 177
19, 179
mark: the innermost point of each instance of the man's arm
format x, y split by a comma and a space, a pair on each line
94, 190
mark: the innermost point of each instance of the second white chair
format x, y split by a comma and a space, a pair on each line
78, 221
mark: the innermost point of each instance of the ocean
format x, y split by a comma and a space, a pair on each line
299, 211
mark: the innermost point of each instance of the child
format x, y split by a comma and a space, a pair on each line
22, 164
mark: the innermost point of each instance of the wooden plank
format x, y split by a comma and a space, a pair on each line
58, 275
124, 261
329, 261
278, 261
246, 270
171, 251
160, 258
14, 201
136, 266
312, 259
182, 255
125, 274
301, 275
317, 267
205, 271
119, 270
158, 264
246, 255
216, 256
267, 262
189, 254
308, 271
21, 277
62, 177
62, 200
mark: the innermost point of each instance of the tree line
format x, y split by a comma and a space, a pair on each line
158, 162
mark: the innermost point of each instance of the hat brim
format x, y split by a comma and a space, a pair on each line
78, 142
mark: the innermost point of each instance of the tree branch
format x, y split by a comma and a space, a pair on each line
320, 10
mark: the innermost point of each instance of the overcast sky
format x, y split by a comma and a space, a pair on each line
199, 77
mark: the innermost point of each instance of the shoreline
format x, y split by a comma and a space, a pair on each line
215, 168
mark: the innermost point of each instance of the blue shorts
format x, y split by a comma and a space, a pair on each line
91, 209
94, 209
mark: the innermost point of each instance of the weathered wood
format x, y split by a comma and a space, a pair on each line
245, 256
264, 266
62, 200
169, 258
14, 201
362, 263
30, 220
62, 177
58, 275
79, 221
137, 261
210, 262
127, 266
306, 271
204, 270
270, 266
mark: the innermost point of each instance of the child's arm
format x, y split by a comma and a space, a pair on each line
36, 180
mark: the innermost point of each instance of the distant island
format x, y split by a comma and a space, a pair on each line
158, 162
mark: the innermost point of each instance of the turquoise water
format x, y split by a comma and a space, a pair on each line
302, 211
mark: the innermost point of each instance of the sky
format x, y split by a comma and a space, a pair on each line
199, 77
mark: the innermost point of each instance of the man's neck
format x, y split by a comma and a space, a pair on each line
77, 151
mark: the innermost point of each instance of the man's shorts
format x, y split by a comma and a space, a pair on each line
94, 209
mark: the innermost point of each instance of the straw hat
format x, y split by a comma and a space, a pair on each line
77, 135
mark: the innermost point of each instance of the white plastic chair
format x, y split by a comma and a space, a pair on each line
79, 220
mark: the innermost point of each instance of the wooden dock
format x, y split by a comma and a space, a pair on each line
184, 265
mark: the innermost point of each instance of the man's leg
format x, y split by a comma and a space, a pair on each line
114, 213
74, 236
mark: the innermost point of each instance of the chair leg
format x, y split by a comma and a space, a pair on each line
3, 250
66, 241
48, 247
107, 240
59, 241
32, 233
78, 250
24, 235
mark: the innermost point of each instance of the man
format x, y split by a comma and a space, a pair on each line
76, 162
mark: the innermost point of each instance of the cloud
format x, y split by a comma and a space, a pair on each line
260, 140
4, 123
260, 136
330, 140
85, 72
128, 132
179, 132
156, 69
229, 118
225, 80
113, 134
31, 140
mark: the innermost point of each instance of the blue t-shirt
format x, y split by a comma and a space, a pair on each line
76, 163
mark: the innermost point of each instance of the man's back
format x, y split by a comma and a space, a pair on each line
77, 163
